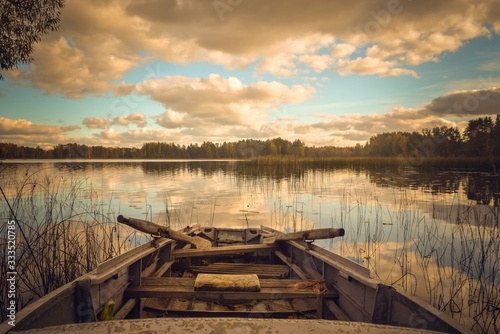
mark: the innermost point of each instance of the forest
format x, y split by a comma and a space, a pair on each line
481, 138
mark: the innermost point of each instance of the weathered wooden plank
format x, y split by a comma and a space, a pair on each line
189, 282
243, 269
240, 249
152, 228
125, 309
227, 282
249, 265
267, 267
168, 281
277, 283
261, 275
294, 267
262, 270
336, 310
305, 304
347, 267
322, 233
163, 269
188, 293
220, 324
233, 314
109, 268
46, 311
83, 301
151, 265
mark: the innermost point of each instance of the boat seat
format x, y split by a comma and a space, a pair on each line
272, 289
263, 271
227, 282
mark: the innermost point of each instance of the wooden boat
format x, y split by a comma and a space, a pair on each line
210, 280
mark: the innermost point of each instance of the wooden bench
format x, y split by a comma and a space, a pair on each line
168, 287
262, 270
227, 282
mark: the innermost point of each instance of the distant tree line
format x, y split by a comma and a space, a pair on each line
481, 138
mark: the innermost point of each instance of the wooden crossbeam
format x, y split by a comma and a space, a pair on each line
232, 314
336, 310
294, 267
239, 249
227, 282
262, 270
166, 266
188, 293
125, 310
189, 282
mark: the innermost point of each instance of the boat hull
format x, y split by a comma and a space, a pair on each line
296, 279
224, 325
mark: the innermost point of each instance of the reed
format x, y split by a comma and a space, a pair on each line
64, 229
443, 249
447, 255
427, 162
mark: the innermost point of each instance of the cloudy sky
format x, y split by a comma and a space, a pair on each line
123, 72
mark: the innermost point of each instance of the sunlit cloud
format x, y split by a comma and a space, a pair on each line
263, 56
25, 127
372, 66
349, 129
96, 122
134, 118
198, 121
91, 53
101, 123
217, 101
25, 132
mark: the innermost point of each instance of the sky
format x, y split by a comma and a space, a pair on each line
327, 72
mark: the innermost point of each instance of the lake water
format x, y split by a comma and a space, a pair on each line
434, 234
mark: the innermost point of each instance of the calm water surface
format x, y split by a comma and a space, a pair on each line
434, 234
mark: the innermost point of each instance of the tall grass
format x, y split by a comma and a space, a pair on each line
465, 255
291, 162
443, 249
64, 229
447, 254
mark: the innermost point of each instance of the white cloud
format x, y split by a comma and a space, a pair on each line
21, 126
100, 41
96, 123
134, 118
61, 68
452, 109
25, 132
171, 119
317, 62
371, 66
215, 101
339, 130
184, 127
101, 123
282, 57
343, 50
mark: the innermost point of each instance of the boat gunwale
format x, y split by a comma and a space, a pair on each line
103, 272
110, 268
